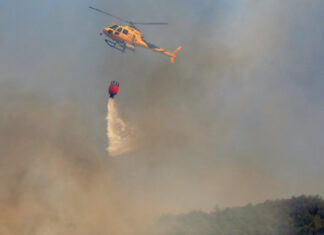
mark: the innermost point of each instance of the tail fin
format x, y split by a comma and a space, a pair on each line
174, 54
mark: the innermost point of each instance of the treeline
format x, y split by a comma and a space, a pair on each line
298, 215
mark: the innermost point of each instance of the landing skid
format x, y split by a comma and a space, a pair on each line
120, 46
117, 45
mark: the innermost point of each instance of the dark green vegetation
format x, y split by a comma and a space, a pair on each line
298, 215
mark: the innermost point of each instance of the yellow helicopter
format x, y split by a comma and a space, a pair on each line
128, 37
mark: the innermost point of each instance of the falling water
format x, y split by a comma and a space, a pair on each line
121, 136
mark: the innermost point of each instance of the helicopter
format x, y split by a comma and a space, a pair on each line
122, 37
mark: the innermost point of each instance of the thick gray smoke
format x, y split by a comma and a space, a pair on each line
236, 119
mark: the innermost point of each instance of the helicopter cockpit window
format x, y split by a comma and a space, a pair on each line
125, 31
119, 29
114, 26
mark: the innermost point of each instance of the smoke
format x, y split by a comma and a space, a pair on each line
121, 136
53, 180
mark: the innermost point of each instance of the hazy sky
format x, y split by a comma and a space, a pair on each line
238, 118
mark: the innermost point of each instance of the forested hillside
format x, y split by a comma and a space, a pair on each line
298, 215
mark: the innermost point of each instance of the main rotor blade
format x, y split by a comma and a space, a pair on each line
106, 13
127, 21
150, 23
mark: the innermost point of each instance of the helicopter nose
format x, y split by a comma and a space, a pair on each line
107, 31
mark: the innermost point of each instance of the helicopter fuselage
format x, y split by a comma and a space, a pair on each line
131, 37
124, 34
